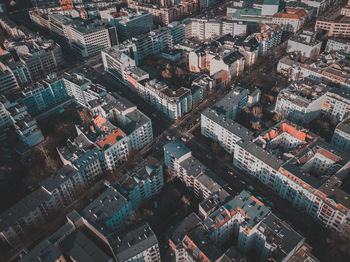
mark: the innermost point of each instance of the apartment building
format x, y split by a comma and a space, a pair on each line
89, 38
12, 28
338, 44
337, 103
60, 26
291, 172
302, 101
136, 125
63, 185
172, 103
291, 19
270, 36
166, 15
117, 62
239, 214
336, 23
8, 82
11, 67
37, 55
196, 176
272, 238
205, 29
341, 135
76, 239
39, 19
130, 23
143, 182
81, 89
112, 141
305, 43
45, 94
329, 66
109, 212
260, 235
178, 233
14, 114
55, 192
142, 46
138, 244
84, 155
174, 153
30, 210
217, 121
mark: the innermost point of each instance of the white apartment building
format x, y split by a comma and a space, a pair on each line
117, 62
337, 103
196, 176
143, 182
329, 66
172, 103
89, 39
64, 185
136, 125
215, 56
271, 238
84, 155
130, 23
270, 36
138, 244
174, 153
81, 89
291, 20
305, 43
302, 102
338, 44
291, 172
217, 121
228, 219
341, 135
112, 141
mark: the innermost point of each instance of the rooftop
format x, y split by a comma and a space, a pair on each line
58, 178
81, 248
280, 234
134, 242
104, 207
23, 208
177, 233
176, 149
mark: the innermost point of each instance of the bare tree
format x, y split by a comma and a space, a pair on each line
257, 111
85, 116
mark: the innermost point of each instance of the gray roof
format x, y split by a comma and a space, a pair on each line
58, 178
176, 149
248, 204
228, 123
194, 167
266, 157
81, 248
281, 234
177, 234
344, 126
211, 181
134, 242
104, 207
43, 252
23, 208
